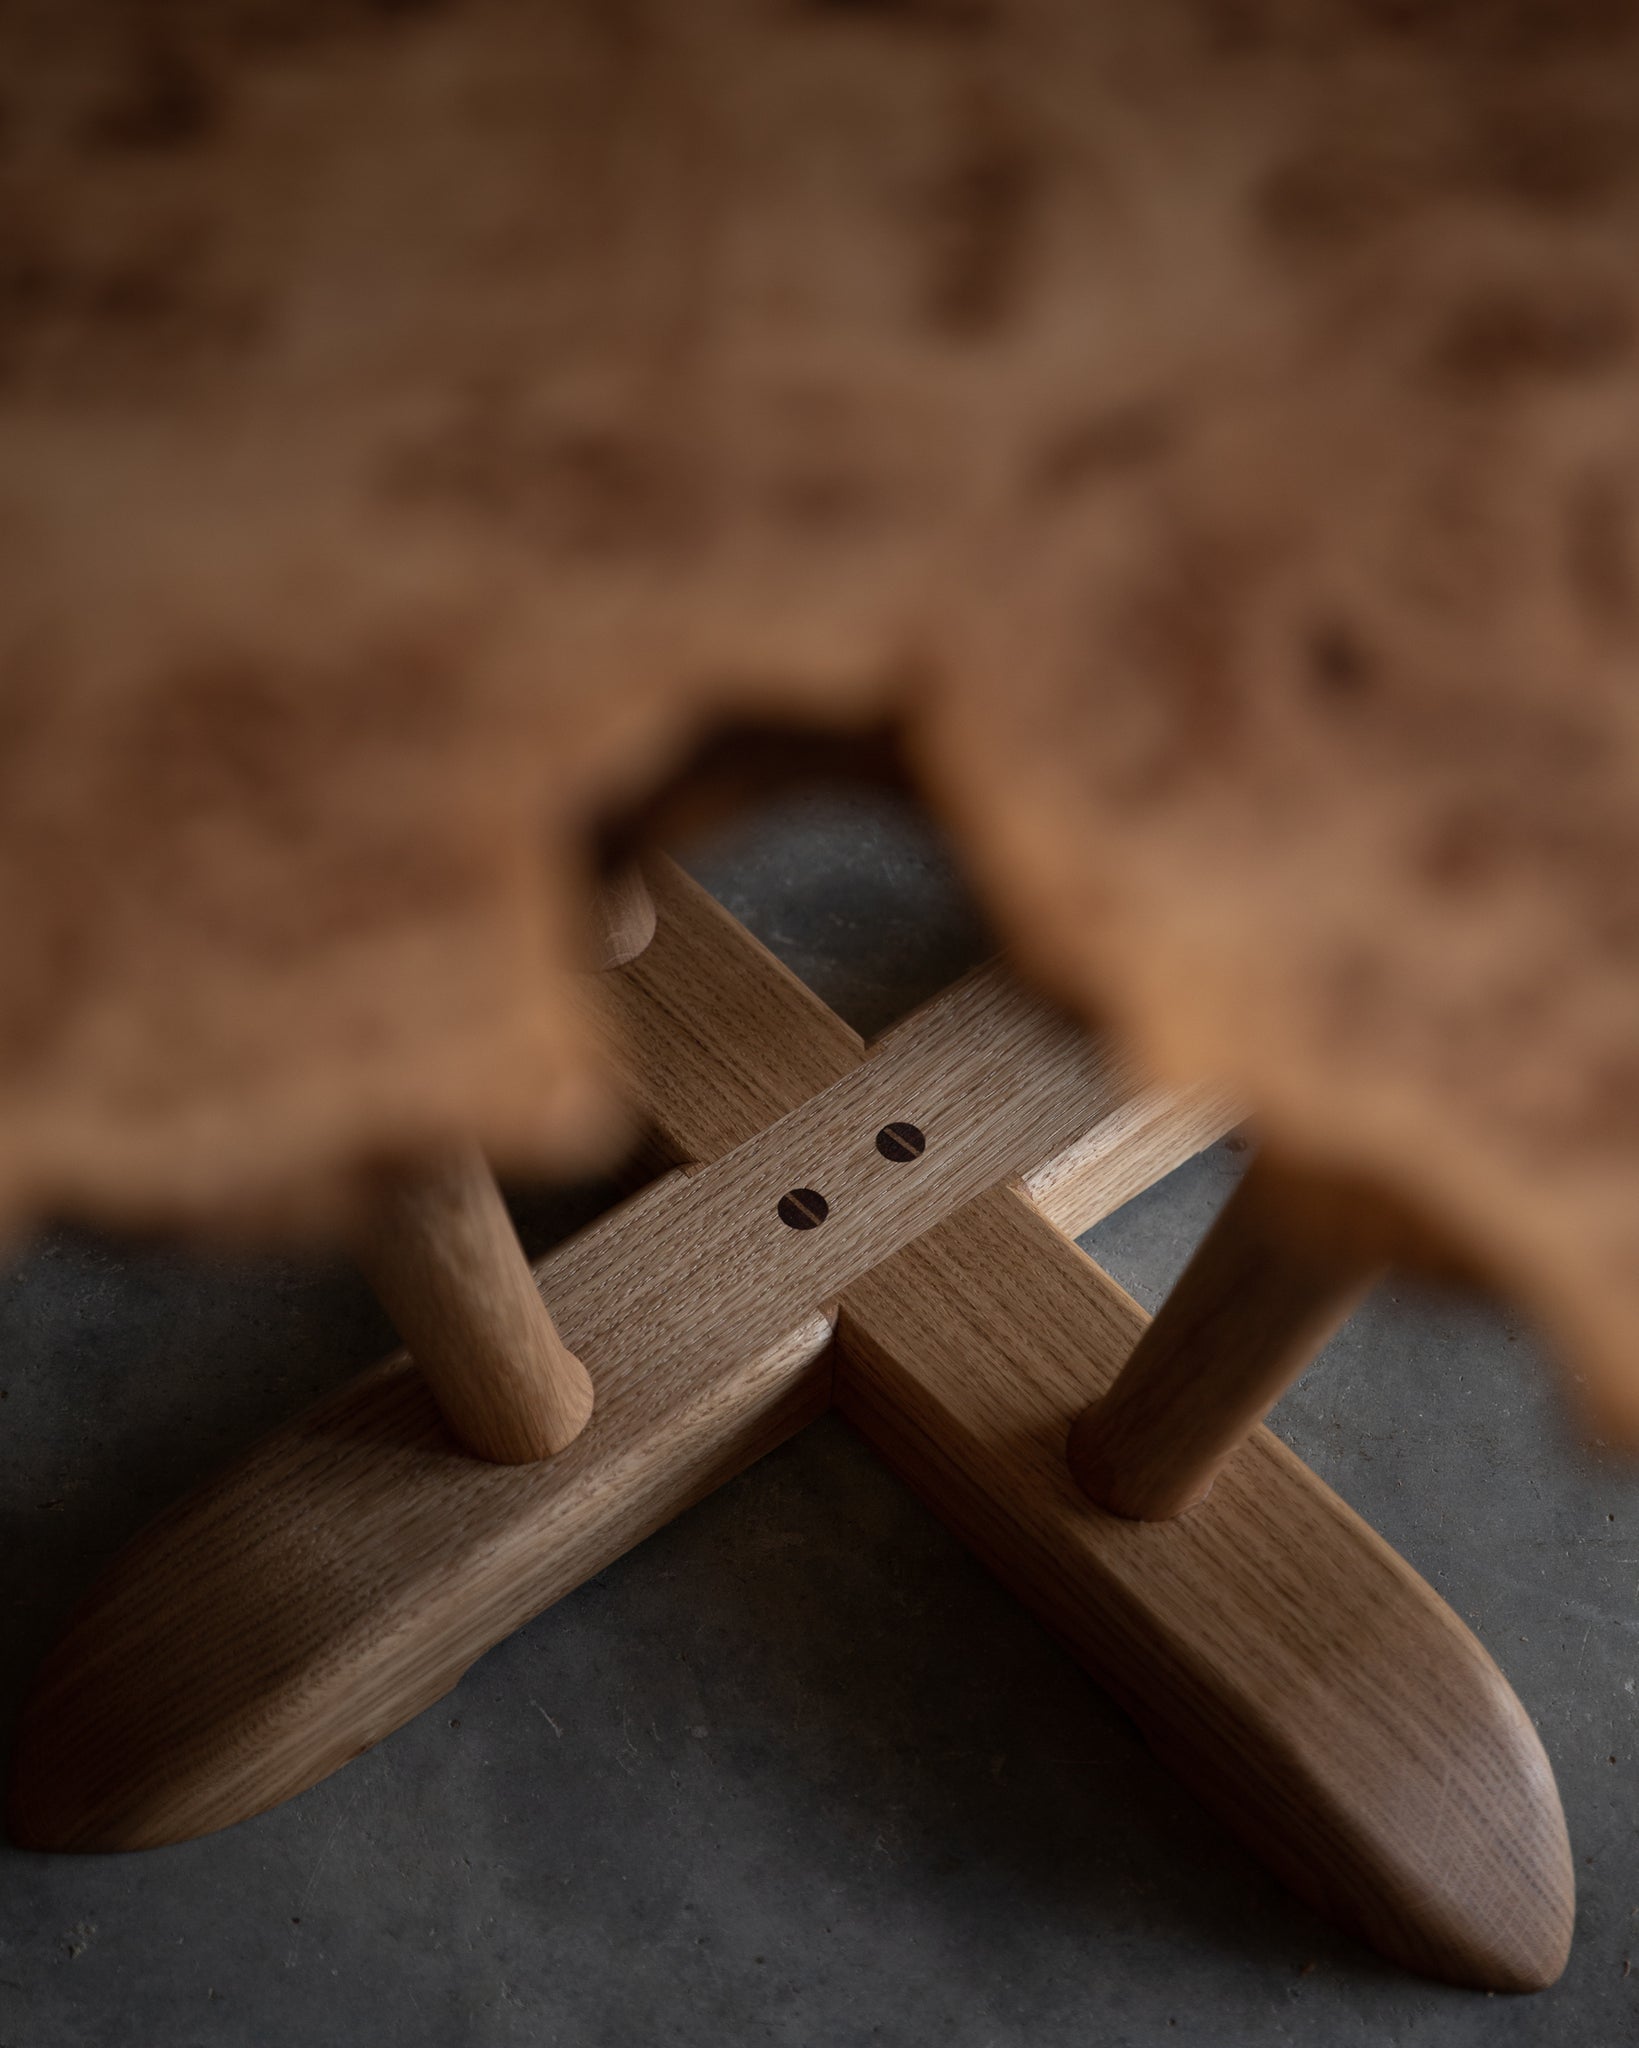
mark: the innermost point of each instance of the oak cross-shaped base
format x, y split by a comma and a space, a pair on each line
883, 1229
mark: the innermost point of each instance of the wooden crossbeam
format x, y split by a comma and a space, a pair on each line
878, 1227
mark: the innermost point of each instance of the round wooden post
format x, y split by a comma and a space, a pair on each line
623, 917
440, 1251
1250, 1311
442, 1255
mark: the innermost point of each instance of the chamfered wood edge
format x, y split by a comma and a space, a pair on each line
351, 1565
1315, 1692
697, 1008
710, 1093
206, 1677
1139, 1143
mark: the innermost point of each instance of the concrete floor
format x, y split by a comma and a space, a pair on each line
796, 1771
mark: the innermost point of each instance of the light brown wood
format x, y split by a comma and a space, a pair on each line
623, 918
1249, 1312
342, 1576
1137, 1144
1207, 438
441, 1254
355, 1559
1294, 1670
719, 1037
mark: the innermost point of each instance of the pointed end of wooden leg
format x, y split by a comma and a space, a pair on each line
1527, 1953
1540, 1958
1502, 1918
1512, 1932
254, 1637
46, 1810
79, 1786
36, 1818
1442, 1842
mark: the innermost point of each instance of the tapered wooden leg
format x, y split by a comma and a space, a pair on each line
1253, 1307
442, 1255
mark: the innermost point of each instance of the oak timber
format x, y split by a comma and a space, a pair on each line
345, 1572
623, 918
1286, 1663
1249, 1312
441, 1253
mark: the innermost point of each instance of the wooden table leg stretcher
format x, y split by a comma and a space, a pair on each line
886, 1229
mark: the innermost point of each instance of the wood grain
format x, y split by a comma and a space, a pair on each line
720, 1038
1293, 1670
442, 1255
342, 1576
1249, 1312
356, 1562
1140, 1142
623, 918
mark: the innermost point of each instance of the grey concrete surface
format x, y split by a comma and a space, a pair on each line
796, 1771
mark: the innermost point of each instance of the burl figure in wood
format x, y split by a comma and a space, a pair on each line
1197, 441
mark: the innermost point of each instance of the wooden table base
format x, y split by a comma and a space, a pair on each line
885, 1230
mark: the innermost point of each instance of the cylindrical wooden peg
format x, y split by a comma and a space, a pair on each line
1250, 1311
442, 1255
623, 917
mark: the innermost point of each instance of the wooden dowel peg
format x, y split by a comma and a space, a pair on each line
440, 1251
1252, 1308
623, 918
